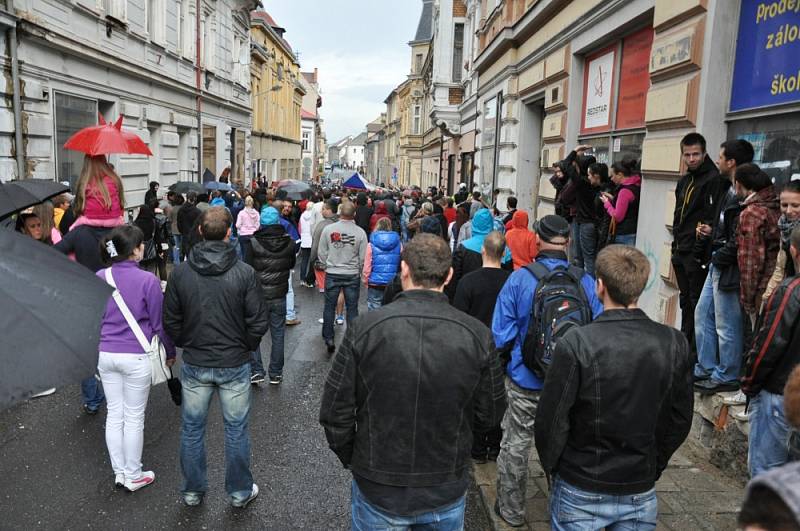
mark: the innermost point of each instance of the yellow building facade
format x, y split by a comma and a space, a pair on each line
277, 97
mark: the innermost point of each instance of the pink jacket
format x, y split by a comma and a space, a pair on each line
248, 222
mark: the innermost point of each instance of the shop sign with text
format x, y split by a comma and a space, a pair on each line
767, 69
597, 91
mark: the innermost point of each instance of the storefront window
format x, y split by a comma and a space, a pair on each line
776, 141
627, 147
600, 145
489, 145
72, 114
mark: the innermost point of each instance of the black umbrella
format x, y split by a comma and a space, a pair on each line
19, 195
295, 190
50, 313
184, 187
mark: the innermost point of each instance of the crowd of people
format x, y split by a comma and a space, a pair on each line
487, 333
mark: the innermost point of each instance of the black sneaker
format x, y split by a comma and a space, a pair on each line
331, 346
710, 387
276, 380
89, 411
257, 378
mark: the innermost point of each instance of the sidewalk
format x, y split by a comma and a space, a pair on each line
691, 495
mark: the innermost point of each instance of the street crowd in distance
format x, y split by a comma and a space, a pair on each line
487, 332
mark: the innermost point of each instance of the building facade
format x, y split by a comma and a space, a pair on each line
72, 60
277, 98
311, 133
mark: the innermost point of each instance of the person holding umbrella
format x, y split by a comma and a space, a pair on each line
124, 366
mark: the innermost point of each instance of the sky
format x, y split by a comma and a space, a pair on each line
360, 48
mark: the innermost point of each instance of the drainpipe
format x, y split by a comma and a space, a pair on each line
198, 88
12, 36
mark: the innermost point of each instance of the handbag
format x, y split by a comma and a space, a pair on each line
151, 250
175, 387
154, 349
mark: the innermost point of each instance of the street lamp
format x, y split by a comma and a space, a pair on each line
273, 89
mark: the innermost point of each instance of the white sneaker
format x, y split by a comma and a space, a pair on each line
742, 416
46, 392
738, 399
340, 320
321, 320
242, 504
144, 480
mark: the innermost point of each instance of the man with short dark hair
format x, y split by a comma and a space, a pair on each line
512, 317
342, 250
696, 198
629, 379
410, 460
476, 295
511, 203
214, 309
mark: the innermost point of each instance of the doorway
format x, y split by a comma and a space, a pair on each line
529, 156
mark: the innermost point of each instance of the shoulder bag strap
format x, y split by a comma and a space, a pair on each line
134, 326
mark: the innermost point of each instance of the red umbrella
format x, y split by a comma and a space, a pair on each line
105, 138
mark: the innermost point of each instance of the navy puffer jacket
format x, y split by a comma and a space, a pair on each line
385, 257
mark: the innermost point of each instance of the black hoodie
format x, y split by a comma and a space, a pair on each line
696, 198
214, 307
272, 255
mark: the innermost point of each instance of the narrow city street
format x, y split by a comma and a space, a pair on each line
55, 457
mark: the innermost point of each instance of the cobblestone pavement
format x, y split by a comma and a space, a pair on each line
56, 473
692, 495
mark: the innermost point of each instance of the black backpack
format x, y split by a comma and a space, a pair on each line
559, 305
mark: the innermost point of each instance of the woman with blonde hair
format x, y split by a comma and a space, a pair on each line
99, 195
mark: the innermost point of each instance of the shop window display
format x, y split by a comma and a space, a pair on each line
776, 141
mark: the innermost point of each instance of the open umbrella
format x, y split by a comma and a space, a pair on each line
216, 185
295, 190
105, 138
184, 187
50, 313
19, 195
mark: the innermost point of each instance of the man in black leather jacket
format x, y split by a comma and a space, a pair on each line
272, 255
617, 402
214, 308
401, 395
775, 353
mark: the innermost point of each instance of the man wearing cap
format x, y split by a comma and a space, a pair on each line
509, 326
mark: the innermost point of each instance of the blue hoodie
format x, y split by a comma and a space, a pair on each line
385, 257
482, 225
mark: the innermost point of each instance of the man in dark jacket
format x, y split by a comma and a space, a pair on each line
720, 340
363, 212
410, 461
775, 353
272, 256
696, 198
616, 404
214, 308
188, 216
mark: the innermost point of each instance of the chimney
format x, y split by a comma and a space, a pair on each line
315, 74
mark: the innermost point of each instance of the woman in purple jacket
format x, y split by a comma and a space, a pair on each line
123, 365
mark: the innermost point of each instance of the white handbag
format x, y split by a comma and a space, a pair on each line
155, 350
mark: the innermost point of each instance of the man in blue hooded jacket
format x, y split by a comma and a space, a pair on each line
509, 326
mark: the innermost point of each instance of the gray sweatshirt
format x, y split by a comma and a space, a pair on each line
342, 248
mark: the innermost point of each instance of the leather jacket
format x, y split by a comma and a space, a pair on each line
724, 251
776, 346
616, 404
405, 387
272, 255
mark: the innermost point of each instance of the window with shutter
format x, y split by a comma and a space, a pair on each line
458, 52
117, 9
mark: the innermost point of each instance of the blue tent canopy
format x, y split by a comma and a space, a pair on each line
357, 182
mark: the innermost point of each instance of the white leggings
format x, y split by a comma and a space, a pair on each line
126, 382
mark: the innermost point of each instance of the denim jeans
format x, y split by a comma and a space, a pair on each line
574, 509
768, 445
374, 298
276, 309
92, 393
587, 247
244, 245
625, 239
333, 285
176, 248
290, 313
718, 331
366, 517
233, 385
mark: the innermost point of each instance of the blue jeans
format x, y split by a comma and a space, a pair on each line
333, 285
769, 433
276, 309
625, 239
92, 393
374, 298
574, 509
587, 247
233, 385
290, 313
244, 245
718, 331
366, 517
176, 248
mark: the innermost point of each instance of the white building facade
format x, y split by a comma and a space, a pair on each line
138, 59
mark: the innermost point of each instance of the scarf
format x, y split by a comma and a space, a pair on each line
786, 226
